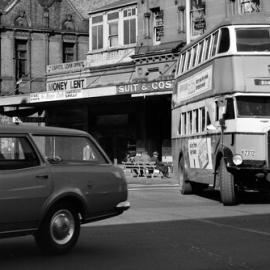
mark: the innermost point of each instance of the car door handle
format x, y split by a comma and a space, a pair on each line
42, 176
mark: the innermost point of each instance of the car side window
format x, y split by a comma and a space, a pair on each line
17, 153
69, 148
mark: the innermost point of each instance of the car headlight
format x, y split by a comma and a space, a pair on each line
237, 159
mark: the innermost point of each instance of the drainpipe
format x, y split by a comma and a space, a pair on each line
188, 21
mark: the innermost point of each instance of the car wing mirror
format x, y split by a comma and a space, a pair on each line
55, 160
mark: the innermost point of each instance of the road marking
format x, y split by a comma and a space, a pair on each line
234, 227
152, 187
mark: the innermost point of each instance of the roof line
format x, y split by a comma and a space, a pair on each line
76, 10
110, 8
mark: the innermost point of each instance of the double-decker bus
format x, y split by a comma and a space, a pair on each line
221, 109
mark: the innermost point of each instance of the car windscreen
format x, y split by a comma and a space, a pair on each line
69, 148
253, 106
253, 39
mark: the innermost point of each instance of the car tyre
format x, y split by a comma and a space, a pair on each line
59, 231
227, 185
185, 185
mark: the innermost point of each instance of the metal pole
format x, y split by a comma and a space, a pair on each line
188, 21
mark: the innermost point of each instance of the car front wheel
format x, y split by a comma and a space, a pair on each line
60, 229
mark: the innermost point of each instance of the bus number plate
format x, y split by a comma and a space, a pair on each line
248, 154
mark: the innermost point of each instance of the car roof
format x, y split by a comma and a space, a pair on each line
22, 128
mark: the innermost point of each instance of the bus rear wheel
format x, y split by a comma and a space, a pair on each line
227, 185
185, 185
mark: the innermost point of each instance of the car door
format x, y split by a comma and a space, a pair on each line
24, 183
82, 167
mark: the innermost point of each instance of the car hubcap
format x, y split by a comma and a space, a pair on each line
62, 227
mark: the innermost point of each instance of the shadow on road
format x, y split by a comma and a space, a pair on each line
243, 197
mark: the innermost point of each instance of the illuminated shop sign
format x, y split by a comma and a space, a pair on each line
136, 88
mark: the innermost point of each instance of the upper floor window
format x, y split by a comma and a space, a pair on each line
21, 57
129, 26
97, 32
249, 6
68, 52
158, 24
113, 28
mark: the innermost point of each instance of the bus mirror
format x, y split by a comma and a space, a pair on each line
222, 104
211, 127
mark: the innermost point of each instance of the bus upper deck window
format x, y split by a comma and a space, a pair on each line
214, 47
224, 43
253, 39
207, 48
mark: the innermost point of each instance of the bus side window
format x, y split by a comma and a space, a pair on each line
208, 121
189, 123
229, 110
196, 120
179, 126
217, 111
184, 124
224, 41
202, 119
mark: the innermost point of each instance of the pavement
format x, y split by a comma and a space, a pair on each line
151, 181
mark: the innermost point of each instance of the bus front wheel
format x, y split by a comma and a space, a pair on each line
185, 185
227, 185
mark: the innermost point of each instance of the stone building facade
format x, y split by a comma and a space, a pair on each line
34, 34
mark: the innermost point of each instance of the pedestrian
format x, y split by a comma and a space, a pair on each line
159, 165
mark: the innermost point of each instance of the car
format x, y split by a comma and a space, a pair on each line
52, 180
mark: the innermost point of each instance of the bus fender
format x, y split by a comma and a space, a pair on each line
227, 154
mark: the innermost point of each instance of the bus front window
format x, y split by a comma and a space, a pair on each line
253, 106
253, 39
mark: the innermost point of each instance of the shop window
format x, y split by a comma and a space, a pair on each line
130, 26
97, 32
249, 6
68, 52
21, 57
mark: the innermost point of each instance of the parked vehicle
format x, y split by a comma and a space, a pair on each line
52, 180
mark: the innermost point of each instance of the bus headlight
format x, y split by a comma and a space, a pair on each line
237, 159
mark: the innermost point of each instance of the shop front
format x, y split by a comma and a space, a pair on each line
125, 118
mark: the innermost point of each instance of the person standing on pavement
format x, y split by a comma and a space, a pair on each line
159, 165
